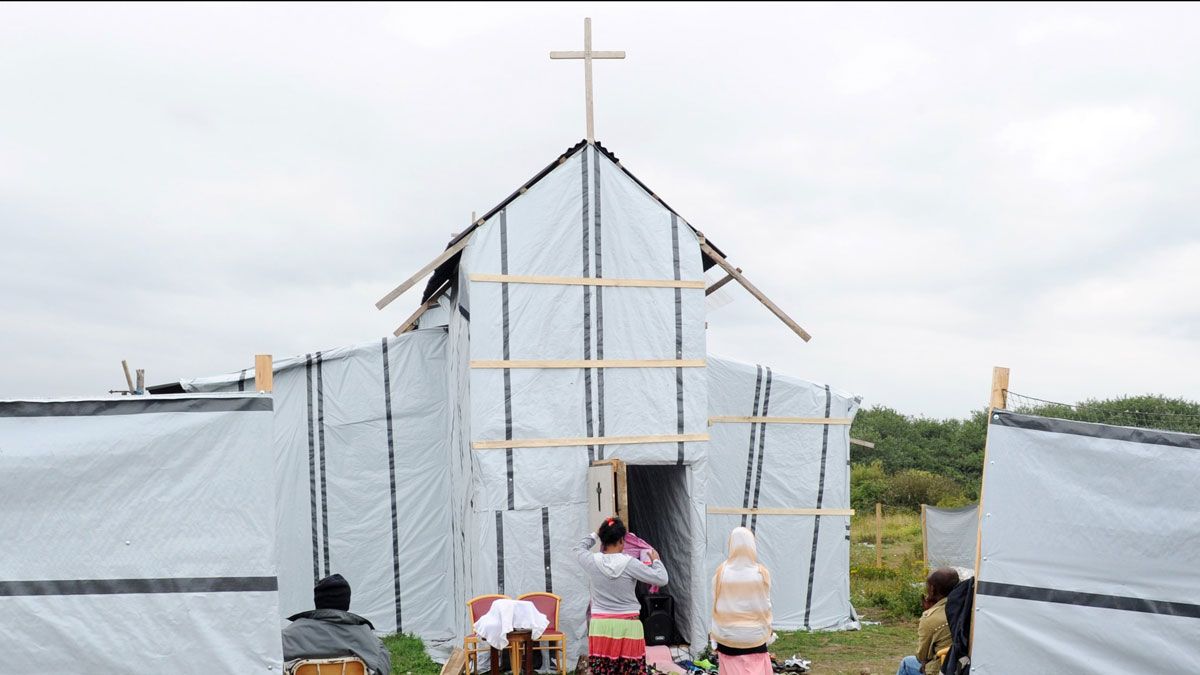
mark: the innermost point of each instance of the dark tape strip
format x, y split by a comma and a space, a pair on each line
546, 548
134, 405
242, 380
678, 335
391, 448
753, 438
1120, 602
1004, 418
504, 333
500, 552
762, 450
587, 310
312, 471
812, 564
321, 453
139, 586
465, 314
599, 309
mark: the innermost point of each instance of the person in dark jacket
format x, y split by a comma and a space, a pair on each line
331, 630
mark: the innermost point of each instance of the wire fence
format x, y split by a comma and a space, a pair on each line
1126, 413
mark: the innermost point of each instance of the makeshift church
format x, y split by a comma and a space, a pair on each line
554, 374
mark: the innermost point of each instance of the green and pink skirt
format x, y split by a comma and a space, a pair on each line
616, 645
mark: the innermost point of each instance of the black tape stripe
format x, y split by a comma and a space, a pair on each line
465, 314
500, 552
508, 414
599, 309
1119, 602
391, 448
135, 405
321, 453
242, 380
312, 471
1128, 434
812, 564
11, 589
753, 437
678, 336
546, 548
587, 310
762, 449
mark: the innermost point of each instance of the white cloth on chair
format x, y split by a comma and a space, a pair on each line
506, 616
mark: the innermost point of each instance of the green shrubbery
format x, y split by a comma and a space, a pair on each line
905, 489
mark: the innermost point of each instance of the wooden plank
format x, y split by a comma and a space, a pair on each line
999, 387
879, 534
128, 378
717, 286
588, 363
141, 381
579, 442
736, 419
924, 539
585, 281
429, 304
732, 271
734, 511
456, 663
858, 441
424, 272
263, 373
606, 54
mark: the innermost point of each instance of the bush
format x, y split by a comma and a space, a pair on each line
912, 487
868, 484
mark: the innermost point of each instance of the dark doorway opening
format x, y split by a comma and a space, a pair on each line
660, 513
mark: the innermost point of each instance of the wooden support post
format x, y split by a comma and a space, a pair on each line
878, 534
924, 539
128, 378
141, 381
733, 272
999, 388
718, 284
263, 373
411, 321
422, 273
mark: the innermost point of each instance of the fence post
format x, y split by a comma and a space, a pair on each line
999, 388
263, 373
878, 534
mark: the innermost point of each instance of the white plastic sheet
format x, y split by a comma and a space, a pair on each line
950, 536
1089, 543
139, 536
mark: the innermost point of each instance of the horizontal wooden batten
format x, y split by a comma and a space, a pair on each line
579, 442
734, 511
590, 363
585, 281
733, 419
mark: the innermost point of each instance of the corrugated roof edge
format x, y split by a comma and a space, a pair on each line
443, 272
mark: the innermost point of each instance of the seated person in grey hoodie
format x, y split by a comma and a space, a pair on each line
330, 630
616, 643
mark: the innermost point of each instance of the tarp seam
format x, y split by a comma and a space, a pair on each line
387, 402
812, 565
762, 450
312, 470
753, 438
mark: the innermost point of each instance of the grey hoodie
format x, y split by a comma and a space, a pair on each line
613, 577
328, 633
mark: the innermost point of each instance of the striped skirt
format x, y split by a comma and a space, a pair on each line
616, 645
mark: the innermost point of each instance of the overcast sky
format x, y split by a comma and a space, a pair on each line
929, 190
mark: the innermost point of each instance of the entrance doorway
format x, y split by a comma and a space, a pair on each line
659, 512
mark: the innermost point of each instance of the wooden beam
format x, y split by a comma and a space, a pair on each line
732, 511
588, 363
865, 444
924, 539
735, 419
717, 285
456, 664
128, 378
580, 442
584, 281
999, 387
733, 272
879, 534
411, 321
264, 373
422, 273
610, 54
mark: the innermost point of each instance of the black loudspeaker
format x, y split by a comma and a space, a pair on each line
659, 624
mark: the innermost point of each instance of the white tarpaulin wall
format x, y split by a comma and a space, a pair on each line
138, 535
778, 465
950, 536
586, 218
1089, 543
362, 476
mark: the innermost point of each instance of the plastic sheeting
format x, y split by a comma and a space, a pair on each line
950, 536
362, 474
139, 535
1088, 549
784, 466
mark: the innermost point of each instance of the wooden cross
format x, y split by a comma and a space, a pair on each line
587, 55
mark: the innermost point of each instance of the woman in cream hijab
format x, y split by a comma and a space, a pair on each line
741, 618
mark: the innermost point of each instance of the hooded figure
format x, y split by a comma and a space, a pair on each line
331, 630
741, 617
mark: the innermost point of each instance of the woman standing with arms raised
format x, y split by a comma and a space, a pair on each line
616, 643
741, 619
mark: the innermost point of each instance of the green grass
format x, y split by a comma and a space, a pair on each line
886, 594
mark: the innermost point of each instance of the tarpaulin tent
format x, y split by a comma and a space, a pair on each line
949, 536
1089, 542
139, 535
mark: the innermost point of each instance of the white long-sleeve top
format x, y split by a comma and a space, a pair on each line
613, 577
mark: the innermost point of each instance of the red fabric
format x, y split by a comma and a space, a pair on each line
616, 648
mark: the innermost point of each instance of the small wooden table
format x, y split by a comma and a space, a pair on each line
518, 641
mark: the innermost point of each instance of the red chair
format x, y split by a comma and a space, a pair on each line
476, 608
555, 640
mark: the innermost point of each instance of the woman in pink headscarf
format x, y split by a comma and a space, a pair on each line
741, 617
